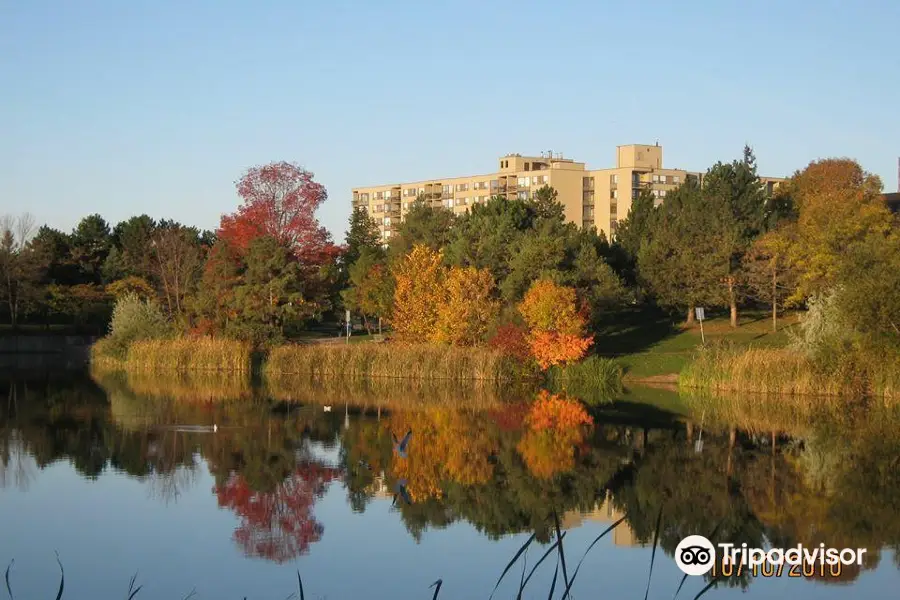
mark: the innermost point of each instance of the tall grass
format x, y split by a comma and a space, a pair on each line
787, 372
104, 355
595, 380
189, 354
397, 361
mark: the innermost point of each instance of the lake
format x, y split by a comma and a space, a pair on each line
227, 490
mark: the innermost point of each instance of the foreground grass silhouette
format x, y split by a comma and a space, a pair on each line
556, 547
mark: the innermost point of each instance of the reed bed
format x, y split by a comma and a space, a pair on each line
392, 394
189, 354
784, 372
393, 361
103, 357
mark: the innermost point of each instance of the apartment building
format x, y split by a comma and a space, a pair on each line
598, 198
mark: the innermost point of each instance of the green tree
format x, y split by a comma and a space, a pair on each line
739, 191
485, 237
90, 244
423, 224
270, 292
131, 238
689, 252
633, 231
363, 234
371, 289
546, 205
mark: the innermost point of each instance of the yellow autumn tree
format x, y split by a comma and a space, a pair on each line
839, 204
467, 308
418, 293
557, 327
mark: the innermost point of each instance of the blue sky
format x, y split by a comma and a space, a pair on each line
158, 106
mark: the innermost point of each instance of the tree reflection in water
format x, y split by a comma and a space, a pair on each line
505, 469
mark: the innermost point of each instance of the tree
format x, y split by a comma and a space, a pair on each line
371, 287
838, 205
485, 236
467, 309
546, 205
739, 194
767, 271
689, 252
176, 263
423, 225
279, 201
635, 230
418, 292
269, 293
363, 234
869, 275
131, 238
557, 326
21, 267
213, 304
54, 247
90, 244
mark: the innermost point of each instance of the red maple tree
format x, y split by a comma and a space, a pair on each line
277, 525
279, 200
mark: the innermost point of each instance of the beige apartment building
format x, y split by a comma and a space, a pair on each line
598, 198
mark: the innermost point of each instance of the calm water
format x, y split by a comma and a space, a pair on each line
123, 477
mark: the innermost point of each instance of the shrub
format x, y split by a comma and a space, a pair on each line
133, 319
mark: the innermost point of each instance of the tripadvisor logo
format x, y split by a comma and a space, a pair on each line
695, 555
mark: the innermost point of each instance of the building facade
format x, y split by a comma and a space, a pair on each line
592, 198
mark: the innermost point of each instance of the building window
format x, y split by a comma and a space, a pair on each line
676, 179
462, 187
523, 195
634, 193
635, 178
662, 193
656, 179
387, 221
495, 183
387, 234
614, 178
613, 194
524, 181
446, 188
587, 196
613, 209
527, 166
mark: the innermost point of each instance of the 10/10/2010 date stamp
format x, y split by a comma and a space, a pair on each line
696, 555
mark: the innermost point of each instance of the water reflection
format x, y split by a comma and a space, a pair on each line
504, 467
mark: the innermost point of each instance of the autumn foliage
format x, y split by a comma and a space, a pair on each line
445, 306
279, 200
555, 425
277, 525
447, 445
557, 326
467, 307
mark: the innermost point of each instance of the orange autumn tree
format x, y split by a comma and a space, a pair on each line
557, 328
555, 425
447, 445
467, 308
418, 293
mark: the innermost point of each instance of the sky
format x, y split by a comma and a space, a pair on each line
158, 107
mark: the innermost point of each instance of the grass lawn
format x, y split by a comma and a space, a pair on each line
651, 345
